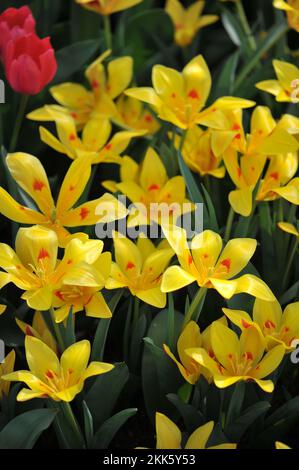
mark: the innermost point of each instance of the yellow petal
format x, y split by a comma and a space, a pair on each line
190, 378
201, 356
153, 297
73, 185
75, 358
254, 286
200, 437
175, 278
238, 317
120, 73
235, 257
97, 307
41, 359
168, 434
29, 173
18, 213
127, 256
267, 312
289, 228
25, 394
72, 95
197, 78
189, 338
269, 363
97, 368
241, 201
225, 345
153, 175
271, 86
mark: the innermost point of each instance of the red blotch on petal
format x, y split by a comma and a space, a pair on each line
130, 265
38, 185
226, 263
193, 94
153, 187
43, 254
269, 324
245, 324
84, 213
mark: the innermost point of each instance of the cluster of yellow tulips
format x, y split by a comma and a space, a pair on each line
226, 326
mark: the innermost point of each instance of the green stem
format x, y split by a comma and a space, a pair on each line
229, 224
18, 123
68, 412
107, 31
136, 311
289, 265
57, 331
195, 304
246, 26
279, 31
170, 321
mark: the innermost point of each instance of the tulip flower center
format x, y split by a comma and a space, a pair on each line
57, 382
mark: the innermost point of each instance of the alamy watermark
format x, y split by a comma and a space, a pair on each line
147, 219
2, 351
295, 92
2, 92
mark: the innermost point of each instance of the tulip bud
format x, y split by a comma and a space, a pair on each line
30, 64
15, 22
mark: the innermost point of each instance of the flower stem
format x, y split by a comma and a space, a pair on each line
246, 26
289, 265
107, 31
272, 38
18, 123
68, 412
199, 298
229, 224
57, 331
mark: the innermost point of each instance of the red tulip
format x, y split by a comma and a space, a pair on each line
30, 64
15, 22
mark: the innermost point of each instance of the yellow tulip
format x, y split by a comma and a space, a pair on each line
84, 297
266, 138
132, 115
275, 326
50, 378
94, 145
198, 154
179, 98
139, 267
157, 198
188, 21
211, 266
239, 359
39, 329
170, 437
278, 181
6, 368
292, 10
35, 269
82, 104
285, 88
30, 175
107, 7
191, 337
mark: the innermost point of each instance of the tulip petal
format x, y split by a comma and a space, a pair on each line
168, 434
175, 278
200, 437
18, 213
29, 173
97, 307
41, 359
235, 257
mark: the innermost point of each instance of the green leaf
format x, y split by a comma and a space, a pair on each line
101, 333
192, 417
24, 430
109, 428
235, 403
237, 429
88, 424
69, 333
226, 80
72, 58
157, 367
103, 394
